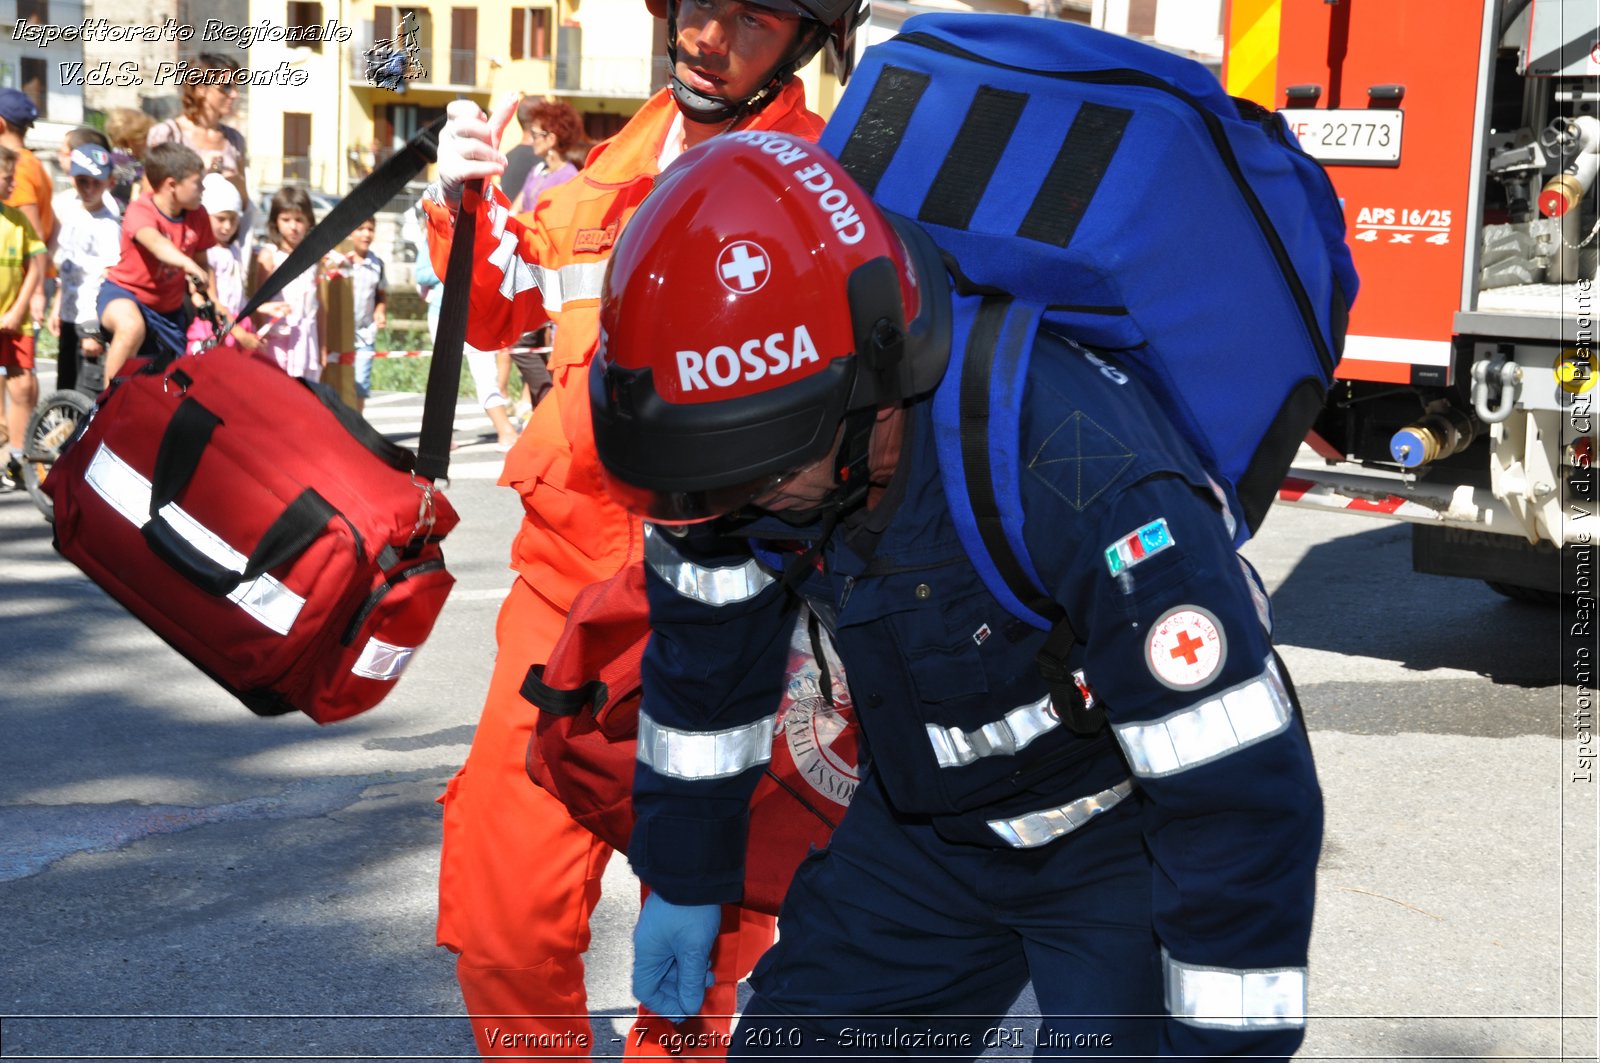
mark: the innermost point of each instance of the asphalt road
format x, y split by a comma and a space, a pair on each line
179, 878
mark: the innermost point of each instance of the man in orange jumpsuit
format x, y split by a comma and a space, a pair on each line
518, 878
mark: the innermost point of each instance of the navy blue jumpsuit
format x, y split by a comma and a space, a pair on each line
1154, 880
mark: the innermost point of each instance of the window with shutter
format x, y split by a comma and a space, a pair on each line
1142, 18
463, 46
304, 15
296, 147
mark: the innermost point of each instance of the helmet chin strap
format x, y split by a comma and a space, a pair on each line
702, 109
851, 480
710, 110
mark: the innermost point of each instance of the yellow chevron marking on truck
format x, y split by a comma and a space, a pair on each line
1253, 53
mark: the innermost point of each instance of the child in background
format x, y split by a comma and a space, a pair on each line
66, 201
230, 265
165, 234
89, 245
292, 330
22, 259
367, 276
127, 129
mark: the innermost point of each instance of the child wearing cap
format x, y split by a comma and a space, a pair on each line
89, 244
22, 258
66, 200
31, 191
229, 261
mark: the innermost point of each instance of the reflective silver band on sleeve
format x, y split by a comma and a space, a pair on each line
1012, 732
571, 283
1048, 824
714, 586
1225, 723
516, 273
1225, 998
128, 492
557, 287
701, 755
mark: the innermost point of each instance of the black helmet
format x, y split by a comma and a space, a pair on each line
830, 23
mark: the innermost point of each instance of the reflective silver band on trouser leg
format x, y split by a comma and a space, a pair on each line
1221, 997
1224, 723
697, 755
714, 586
1048, 824
1012, 732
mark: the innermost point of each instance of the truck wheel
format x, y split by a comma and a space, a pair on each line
58, 415
1531, 595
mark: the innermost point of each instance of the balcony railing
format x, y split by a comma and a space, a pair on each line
611, 75
464, 68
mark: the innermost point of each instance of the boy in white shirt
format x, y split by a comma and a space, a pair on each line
89, 243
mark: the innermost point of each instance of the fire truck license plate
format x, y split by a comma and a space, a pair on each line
1351, 136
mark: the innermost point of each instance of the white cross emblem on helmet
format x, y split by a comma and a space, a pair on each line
743, 267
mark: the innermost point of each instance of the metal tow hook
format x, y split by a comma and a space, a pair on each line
1498, 373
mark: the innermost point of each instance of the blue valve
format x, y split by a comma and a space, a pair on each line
1410, 446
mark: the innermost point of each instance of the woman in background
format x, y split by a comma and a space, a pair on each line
556, 129
201, 128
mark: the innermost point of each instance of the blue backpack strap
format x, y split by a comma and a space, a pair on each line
977, 414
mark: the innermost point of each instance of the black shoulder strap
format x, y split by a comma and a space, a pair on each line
364, 200
976, 372
444, 373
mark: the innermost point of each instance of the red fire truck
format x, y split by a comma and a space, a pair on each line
1463, 137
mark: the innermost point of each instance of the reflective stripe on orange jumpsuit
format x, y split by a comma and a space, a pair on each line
518, 878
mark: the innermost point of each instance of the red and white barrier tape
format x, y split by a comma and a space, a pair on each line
1304, 492
349, 357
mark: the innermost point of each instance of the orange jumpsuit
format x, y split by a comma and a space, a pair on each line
518, 878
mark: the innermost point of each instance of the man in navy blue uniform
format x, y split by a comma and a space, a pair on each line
762, 398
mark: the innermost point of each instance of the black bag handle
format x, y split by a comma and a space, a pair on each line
182, 445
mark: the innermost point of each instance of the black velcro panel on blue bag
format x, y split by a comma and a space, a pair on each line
876, 137
1080, 166
973, 158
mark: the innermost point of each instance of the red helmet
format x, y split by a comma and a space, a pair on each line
756, 297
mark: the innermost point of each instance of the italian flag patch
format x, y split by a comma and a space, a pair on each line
1136, 546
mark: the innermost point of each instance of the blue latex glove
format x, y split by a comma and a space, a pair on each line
672, 956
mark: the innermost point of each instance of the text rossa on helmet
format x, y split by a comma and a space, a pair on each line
755, 298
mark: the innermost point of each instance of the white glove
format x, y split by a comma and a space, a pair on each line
467, 145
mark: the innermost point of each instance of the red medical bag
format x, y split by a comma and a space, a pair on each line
585, 742
261, 528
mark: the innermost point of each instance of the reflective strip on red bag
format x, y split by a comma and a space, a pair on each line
127, 492
380, 660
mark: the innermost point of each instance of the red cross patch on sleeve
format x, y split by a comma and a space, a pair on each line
1185, 648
